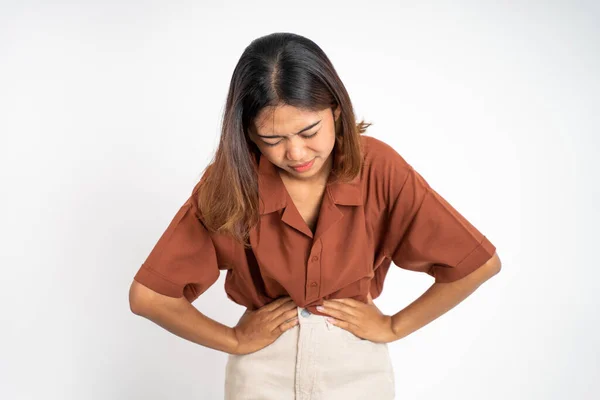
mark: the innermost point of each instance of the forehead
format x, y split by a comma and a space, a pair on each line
284, 119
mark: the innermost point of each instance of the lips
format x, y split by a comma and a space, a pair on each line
301, 165
300, 168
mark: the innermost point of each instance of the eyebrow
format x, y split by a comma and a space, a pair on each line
300, 131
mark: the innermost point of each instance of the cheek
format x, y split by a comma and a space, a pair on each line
327, 144
275, 155
267, 150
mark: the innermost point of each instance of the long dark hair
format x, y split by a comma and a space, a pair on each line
276, 69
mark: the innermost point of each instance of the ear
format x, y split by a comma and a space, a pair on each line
337, 112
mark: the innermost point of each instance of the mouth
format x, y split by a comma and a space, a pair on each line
303, 167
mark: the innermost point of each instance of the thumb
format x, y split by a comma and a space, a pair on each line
369, 298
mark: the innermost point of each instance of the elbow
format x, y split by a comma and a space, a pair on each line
138, 298
499, 263
494, 264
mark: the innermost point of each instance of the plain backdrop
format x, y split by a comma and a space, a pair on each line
110, 111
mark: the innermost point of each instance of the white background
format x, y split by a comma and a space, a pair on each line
110, 110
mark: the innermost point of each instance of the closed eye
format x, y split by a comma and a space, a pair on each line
303, 136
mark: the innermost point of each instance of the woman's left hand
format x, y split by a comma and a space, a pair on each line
363, 320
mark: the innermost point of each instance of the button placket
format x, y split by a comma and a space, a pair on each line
313, 272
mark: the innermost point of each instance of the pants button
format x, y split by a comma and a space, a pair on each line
305, 313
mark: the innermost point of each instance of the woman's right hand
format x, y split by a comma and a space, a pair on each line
259, 328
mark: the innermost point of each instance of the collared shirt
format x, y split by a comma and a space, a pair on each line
387, 214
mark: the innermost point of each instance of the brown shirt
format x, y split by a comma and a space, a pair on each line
387, 214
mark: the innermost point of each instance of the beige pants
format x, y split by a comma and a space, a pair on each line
313, 360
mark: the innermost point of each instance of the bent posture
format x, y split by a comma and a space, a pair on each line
306, 214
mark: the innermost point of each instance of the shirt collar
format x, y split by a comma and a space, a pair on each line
273, 194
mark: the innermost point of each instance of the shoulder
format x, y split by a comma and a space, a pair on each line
383, 165
378, 153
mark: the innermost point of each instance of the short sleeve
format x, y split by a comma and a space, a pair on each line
183, 262
427, 234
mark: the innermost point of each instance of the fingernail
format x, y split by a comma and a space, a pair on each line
320, 308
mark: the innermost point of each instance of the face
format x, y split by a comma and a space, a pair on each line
299, 142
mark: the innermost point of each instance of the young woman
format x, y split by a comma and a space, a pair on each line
306, 215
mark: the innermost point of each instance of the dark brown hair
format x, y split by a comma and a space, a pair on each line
276, 69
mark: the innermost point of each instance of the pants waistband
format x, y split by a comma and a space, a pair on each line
306, 317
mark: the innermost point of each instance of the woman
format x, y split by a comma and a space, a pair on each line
306, 214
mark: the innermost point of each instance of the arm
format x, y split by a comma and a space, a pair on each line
440, 298
181, 318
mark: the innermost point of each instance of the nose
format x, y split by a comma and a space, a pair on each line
295, 150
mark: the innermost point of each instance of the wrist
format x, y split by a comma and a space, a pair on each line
233, 342
396, 326
391, 335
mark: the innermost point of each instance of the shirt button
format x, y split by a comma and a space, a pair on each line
313, 284
315, 258
305, 313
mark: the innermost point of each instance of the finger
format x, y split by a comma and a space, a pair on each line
346, 301
369, 298
345, 325
288, 325
339, 314
279, 318
339, 306
289, 307
277, 303
276, 319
